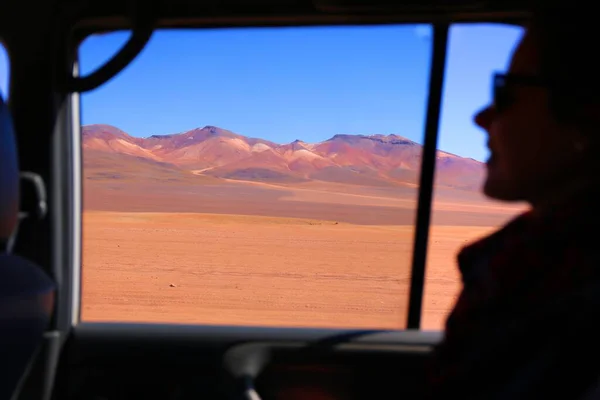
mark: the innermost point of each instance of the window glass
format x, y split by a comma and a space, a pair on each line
460, 213
4, 72
255, 176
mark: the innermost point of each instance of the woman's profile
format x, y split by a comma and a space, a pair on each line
527, 322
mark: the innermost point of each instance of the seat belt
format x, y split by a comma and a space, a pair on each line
33, 203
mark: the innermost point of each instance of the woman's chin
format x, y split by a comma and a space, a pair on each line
494, 185
490, 189
499, 188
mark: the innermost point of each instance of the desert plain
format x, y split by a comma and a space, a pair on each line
164, 240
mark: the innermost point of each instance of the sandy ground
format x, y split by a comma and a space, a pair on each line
221, 269
256, 270
315, 254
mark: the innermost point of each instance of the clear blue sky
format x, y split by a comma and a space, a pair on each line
298, 83
4, 68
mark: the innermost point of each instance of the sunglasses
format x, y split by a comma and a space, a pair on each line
502, 94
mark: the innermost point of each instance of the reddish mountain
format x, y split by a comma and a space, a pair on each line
109, 139
357, 159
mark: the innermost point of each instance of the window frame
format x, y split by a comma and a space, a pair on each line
412, 334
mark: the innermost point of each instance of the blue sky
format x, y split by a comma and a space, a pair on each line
4, 68
283, 84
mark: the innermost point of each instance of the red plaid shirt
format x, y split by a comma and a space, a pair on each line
527, 322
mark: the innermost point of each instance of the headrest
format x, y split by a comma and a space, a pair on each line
9, 175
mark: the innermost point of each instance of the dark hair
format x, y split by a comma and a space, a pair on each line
567, 34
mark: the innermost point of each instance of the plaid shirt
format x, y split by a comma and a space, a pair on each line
527, 322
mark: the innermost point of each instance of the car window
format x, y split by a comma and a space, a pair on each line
263, 177
4, 71
269, 176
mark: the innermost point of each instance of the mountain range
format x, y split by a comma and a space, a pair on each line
216, 153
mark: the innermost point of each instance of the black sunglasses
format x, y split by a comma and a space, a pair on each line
502, 95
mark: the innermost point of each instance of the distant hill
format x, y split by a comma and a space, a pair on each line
372, 160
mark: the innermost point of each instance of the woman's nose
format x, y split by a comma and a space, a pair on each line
485, 117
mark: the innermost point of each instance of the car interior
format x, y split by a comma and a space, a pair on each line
48, 350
